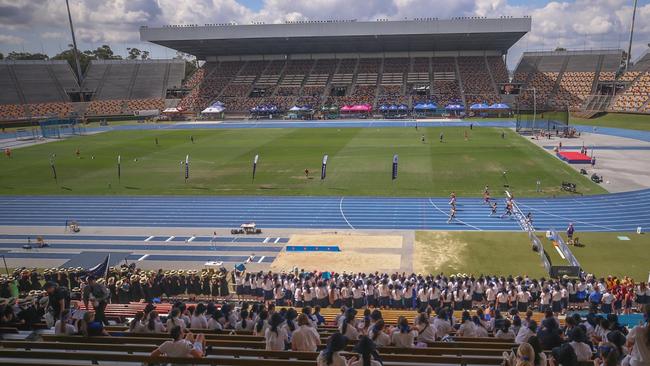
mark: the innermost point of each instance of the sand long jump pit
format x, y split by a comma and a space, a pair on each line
359, 252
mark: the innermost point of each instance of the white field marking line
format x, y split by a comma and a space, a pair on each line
191, 239
143, 257
342, 214
170, 238
276, 240
559, 251
444, 213
261, 259
266, 240
149, 238
566, 218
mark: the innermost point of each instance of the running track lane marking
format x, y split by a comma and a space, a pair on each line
261, 259
149, 238
444, 213
266, 240
191, 239
143, 257
276, 241
566, 218
170, 238
342, 214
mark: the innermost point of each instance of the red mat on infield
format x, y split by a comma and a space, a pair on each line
574, 157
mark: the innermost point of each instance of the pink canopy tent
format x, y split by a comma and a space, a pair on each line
346, 108
361, 108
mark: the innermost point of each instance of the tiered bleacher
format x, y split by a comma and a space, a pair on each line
288, 318
636, 96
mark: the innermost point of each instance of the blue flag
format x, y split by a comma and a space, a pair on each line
323, 169
100, 270
395, 159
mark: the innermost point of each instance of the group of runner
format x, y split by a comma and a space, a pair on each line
492, 204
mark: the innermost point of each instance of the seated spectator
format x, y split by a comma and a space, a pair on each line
540, 356
563, 356
505, 332
466, 328
88, 327
347, 327
442, 324
262, 324
550, 334
331, 355
426, 332
367, 352
136, 325
276, 336
305, 338
479, 327
403, 336
189, 346
217, 321
378, 334
290, 324
639, 341
174, 320
198, 320
524, 356
154, 324
63, 326
578, 340
526, 332
245, 324
608, 355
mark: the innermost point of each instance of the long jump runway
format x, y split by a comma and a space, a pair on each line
610, 212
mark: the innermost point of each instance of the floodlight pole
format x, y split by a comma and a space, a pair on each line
629, 46
75, 53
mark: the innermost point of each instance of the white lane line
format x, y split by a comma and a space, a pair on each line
444, 213
170, 238
143, 257
566, 218
559, 251
276, 241
342, 214
266, 240
191, 239
149, 238
261, 259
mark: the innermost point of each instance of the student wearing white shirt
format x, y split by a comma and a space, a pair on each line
262, 324
189, 347
357, 296
505, 332
63, 327
502, 301
426, 332
275, 336
607, 300
577, 339
442, 324
347, 328
305, 338
556, 300
526, 332
378, 334
523, 298
154, 325
245, 324
466, 328
639, 340
403, 336
491, 295
198, 320
371, 294
367, 354
308, 296
480, 331
331, 355
174, 320
135, 325
545, 300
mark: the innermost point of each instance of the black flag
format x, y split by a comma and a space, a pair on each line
323, 169
187, 167
53, 168
394, 167
257, 157
119, 167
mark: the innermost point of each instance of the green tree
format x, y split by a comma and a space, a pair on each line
2, 56
68, 55
191, 63
134, 53
104, 52
26, 56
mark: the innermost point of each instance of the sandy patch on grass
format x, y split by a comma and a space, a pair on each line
437, 251
348, 241
353, 257
348, 261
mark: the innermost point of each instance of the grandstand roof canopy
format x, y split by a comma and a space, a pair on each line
459, 34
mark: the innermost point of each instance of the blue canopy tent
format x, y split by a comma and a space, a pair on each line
298, 112
264, 111
479, 107
455, 109
499, 109
216, 109
424, 109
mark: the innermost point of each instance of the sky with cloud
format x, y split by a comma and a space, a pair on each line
42, 26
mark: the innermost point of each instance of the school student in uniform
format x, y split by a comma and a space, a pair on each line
305, 338
379, 335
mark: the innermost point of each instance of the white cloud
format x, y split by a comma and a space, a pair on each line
567, 23
12, 40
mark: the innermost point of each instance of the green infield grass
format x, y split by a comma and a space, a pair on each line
505, 253
360, 161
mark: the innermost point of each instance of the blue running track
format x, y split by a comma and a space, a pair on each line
610, 212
